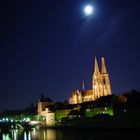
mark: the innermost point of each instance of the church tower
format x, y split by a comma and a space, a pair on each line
101, 83
97, 81
105, 78
100, 86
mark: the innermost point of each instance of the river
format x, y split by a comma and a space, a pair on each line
51, 134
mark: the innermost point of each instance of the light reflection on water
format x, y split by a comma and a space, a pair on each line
50, 134
13, 135
43, 134
27, 135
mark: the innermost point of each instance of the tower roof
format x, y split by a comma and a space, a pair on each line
104, 71
96, 68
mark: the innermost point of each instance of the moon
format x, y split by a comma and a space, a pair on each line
88, 10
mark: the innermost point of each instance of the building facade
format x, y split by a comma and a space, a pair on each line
42, 104
100, 86
43, 111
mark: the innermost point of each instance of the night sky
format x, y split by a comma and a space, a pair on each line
48, 46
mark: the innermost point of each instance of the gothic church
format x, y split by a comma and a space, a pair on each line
100, 86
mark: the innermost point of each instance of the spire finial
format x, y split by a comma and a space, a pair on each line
104, 71
83, 85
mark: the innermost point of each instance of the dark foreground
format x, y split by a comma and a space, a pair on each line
69, 134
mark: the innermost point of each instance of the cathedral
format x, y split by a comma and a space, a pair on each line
100, 86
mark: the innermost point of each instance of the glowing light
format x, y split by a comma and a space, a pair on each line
88, 10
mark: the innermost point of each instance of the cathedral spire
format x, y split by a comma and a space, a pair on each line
96, 82
104, 71
105, 79
100, 86
96, 68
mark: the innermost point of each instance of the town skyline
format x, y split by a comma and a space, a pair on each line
50, 48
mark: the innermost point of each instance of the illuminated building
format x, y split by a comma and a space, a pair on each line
42, 104
50, 117
100, 86
44, 111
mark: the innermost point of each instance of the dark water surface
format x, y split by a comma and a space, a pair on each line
51, 134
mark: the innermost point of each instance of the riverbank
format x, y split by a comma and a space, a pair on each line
98, 124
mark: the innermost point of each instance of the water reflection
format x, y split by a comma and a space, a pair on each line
50, 134
27, 135
11, 135
15, 135
44, 134
34, 134
6, 137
